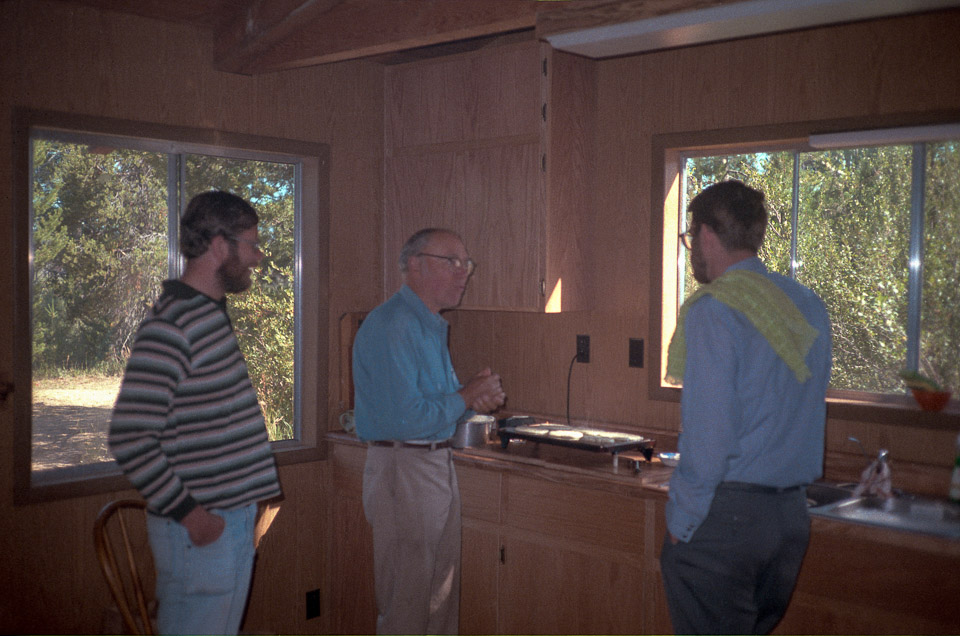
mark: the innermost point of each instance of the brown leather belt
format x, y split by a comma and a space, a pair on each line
427, 446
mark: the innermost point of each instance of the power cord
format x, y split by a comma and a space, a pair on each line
570, 373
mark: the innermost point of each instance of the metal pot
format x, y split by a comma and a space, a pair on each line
474, 431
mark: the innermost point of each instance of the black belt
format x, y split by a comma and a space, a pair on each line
427, 446
743, 486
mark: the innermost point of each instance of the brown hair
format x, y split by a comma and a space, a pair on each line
211, 214
734, 211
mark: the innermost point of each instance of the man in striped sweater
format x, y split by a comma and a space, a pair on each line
187, 429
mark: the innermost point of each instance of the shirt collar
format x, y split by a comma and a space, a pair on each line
179, 289
753, 264
420, 308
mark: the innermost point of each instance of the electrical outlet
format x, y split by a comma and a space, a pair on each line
313, 604
583, 348
635, 357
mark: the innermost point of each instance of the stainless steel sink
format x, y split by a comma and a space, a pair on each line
821, 494
903, 512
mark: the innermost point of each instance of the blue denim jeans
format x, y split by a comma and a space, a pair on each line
202, 590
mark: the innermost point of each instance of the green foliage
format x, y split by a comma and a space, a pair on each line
99, 236
263, 317
100, 242
853, 239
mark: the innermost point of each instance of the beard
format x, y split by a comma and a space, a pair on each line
233, 276
699, 266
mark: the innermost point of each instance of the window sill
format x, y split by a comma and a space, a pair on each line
95, 479
890, 409
901, 410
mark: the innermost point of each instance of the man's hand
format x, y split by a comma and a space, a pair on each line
204, 527
483, 393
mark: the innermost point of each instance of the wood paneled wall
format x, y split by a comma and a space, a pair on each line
904, 66
60, 57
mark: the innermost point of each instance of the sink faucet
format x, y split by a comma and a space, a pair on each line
875, 479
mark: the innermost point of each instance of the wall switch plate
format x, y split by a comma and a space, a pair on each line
636, 353
583, 348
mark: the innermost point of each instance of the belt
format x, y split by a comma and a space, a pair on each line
743, 486
427, 446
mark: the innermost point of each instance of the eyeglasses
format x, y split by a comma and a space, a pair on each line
254, 244
687, 239
455, 263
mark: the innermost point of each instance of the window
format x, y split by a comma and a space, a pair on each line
872, 226
102, 223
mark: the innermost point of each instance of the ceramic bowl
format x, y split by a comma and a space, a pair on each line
669, 459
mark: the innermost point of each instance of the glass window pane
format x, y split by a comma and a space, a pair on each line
263, 316
99, 246
940, 319
771, 173
853, 246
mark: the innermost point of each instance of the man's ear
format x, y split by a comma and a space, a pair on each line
220, 247
708, 237
413, 264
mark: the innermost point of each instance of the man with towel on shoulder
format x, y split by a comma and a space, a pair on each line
752, 350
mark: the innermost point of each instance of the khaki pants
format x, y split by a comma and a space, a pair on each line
412, 501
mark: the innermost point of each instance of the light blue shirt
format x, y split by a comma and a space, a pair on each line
745, 417
405, 387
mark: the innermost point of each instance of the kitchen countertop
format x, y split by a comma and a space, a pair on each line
595, 470
583, 468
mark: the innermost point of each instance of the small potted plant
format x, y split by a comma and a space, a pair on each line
928, 393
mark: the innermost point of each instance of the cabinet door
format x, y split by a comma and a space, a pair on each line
551, 586
352, 602
479, 565
573, 559
863, 580
480, 549
462, 147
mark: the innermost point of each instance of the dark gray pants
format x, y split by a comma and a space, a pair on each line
737, 573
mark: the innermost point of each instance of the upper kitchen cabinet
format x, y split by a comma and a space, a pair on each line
493, 144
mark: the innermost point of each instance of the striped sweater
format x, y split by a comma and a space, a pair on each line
187, 427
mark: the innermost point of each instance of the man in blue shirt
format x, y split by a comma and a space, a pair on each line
753, 351
407, 405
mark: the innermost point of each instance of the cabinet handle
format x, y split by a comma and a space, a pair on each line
503, 556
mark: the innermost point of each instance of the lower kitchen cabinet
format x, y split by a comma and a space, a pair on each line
537, 556
352, 607
554, 558
479, 585
859, 579
554, 588
548, 552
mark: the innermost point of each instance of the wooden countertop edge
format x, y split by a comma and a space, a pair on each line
649, 483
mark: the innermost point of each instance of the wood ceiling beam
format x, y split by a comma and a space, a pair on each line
300, 33
261, 26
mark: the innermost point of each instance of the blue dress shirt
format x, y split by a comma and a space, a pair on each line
745, 417
405, 387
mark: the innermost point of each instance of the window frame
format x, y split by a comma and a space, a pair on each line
668, 151
311, 270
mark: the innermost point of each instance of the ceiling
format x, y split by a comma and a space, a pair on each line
256, 36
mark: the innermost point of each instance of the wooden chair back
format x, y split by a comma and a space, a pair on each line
112, 533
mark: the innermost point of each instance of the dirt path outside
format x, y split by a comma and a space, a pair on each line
70, 420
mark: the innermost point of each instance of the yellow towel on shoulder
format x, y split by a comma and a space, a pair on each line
766, 306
